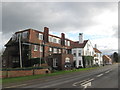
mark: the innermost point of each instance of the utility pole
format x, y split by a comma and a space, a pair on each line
20, 50
40, 54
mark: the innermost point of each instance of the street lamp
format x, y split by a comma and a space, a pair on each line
20, 50
40, 54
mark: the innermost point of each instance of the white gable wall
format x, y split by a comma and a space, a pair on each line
99, 57
88, 49
78, 58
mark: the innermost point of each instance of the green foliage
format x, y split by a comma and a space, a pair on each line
88, 58
115, 56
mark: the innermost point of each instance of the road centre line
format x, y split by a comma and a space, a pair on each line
16, 86
99, 75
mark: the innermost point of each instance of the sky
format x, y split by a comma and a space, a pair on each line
98, 21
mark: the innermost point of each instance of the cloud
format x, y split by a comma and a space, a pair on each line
94, 19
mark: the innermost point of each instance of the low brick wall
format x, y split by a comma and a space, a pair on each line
19, 73
42, 71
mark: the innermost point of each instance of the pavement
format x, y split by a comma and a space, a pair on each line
105, 77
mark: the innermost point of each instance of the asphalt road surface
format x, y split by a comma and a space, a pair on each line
103, 77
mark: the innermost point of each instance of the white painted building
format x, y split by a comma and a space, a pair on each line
80, 49
98, 60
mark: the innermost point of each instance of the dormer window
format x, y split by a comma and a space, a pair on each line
50, 38
54, 40
25, 34
40, 36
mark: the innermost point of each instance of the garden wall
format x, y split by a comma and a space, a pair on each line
19, 73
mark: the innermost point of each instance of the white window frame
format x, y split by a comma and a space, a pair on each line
68, 43
54, 40
65, 42
59, 50
74, 51
67, 60
35, 48
50, 39
24, 34
41, 48
59, 41
54, 50
40, 36
50, 49
55, 62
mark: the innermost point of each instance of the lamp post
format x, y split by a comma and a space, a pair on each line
20, 50
40, 54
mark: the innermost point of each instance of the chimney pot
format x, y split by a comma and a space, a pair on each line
80, 37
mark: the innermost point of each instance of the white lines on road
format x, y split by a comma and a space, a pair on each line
16, 86
74, 84
87, 81
99, 75
84, 83
107, 71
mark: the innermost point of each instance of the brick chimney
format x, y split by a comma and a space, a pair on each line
46, 33
63, 39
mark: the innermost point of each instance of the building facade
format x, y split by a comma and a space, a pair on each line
28, 48
37, 48
83, 53
107, 60
98, 60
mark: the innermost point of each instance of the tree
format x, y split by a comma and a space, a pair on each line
115, 57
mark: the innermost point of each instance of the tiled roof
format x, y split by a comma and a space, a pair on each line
81, 45
106, 57
96, 50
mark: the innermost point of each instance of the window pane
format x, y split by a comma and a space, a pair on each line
25, 34
68, 43
35, 48
40, 36
50, 49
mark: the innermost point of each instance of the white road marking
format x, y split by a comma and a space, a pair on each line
86, 85
107, 71
74, 84
84, 82
16, 86
99, 75
87, 81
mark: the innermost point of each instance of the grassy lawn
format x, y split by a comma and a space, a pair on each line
24, 78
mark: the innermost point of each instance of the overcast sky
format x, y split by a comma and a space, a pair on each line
98, 21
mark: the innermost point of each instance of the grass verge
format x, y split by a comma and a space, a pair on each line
25, 78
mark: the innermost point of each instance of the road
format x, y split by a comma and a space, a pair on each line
103, 77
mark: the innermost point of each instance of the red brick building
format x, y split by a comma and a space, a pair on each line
38, 48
